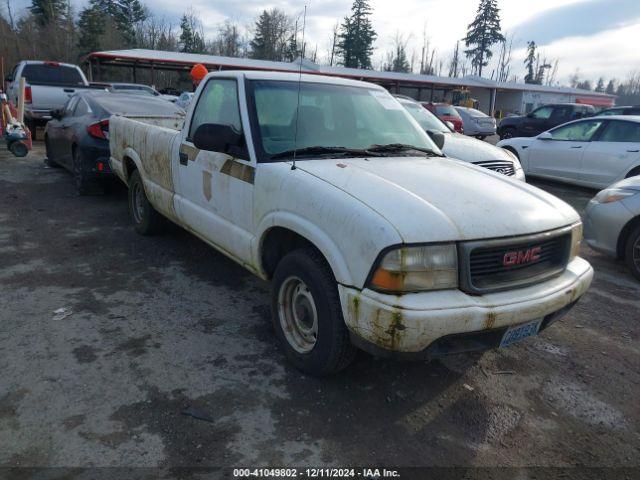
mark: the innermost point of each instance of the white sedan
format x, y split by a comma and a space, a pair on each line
591, 152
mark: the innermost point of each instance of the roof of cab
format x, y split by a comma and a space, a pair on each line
293, 77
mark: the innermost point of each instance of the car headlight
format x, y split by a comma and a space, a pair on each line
576, 240
415, 269
611, 195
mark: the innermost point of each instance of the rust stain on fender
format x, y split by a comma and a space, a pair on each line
206, 184
238, 170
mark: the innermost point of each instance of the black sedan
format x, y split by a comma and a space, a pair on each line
77, 138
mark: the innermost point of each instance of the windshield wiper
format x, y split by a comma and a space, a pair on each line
398, 147
318, 150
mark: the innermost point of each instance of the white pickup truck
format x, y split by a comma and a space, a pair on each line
48, 86
331, 190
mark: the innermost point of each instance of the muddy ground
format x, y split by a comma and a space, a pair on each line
156, 325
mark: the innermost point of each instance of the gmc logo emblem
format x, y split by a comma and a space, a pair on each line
522, 256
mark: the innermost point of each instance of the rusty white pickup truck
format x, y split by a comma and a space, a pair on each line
371, 239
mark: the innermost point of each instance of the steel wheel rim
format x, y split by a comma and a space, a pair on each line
298, 315
137, 198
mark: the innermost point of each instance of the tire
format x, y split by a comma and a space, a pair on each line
318, 344
84, 185
48, 161
633, 173
481, 137
508, 133
146, 219
632, 252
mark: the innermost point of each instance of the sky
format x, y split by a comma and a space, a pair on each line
598, 37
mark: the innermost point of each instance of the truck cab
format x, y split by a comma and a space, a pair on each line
371, 238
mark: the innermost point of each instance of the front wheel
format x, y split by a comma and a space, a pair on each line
507, 133
146, 219
307, 316
632, 253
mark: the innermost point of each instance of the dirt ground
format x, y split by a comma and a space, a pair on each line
157, 327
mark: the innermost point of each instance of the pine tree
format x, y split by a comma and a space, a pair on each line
483, 32
611, 87
272, 32
355, 41
600, 85
529, 62
48, 11
91, 25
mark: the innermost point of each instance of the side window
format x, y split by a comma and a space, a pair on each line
576, 132
562, 113
617, 131
218, 103
81, 109
542, 113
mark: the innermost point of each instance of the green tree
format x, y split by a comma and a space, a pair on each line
397, 60
191, 37
48, 11
530, 61
272, 32
482, 33
600, 85
91, 27
355, 41
611, 87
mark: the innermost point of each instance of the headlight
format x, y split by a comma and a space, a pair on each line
613, 195
576, 239
414, 269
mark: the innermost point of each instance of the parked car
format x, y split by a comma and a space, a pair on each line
476, 123
134, 89
184, 100
78, 136
628, 110
542, 119
369, 236
446, 113
593, 152
612, 222
461, 147
48, 86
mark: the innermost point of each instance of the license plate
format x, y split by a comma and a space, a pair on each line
518, 332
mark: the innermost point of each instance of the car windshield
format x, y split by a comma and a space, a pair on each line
425, 118
52, 74
447, 110
135, 89
292, 115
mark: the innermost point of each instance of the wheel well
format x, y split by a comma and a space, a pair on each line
624, 235
512, 150
129, 167
277, 242
633, 173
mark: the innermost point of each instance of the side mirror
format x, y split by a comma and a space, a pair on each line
437, 137
545, 136
57, 114
215, 137
450, 125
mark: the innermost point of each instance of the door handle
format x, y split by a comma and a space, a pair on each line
184, 158
633, 151
64, 127
579, 146
68, 90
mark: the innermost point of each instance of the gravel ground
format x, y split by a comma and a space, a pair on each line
156, 327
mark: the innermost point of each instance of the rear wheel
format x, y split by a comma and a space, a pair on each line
508, 133
84, 184
481, 137
146, 219
632, 253
307, 315
48, 160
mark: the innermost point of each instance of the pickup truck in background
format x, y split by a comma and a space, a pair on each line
371, 239
48, 86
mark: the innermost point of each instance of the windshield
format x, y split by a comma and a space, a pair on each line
141, 89
52, 74
330, 116
425, 118
447, 111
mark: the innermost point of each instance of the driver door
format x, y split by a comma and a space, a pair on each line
215, 198
560, 156
537, 121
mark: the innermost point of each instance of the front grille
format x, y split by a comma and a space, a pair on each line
499, 166
509, 263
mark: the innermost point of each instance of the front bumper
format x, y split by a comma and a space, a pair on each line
603, 223
410, 324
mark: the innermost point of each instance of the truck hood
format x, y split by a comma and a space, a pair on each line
439, 199
472, 150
